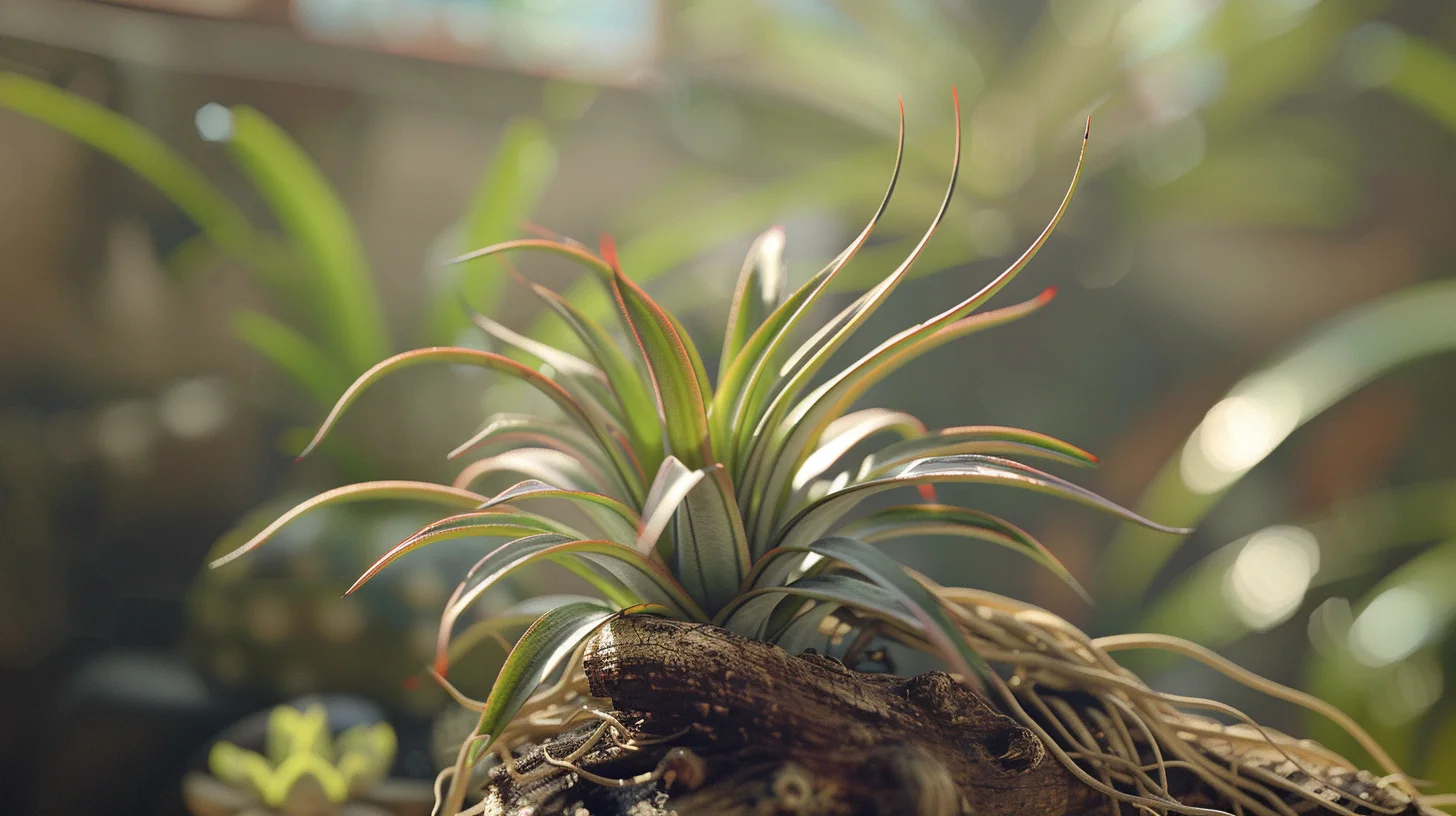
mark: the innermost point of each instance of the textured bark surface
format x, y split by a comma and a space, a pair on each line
760, 731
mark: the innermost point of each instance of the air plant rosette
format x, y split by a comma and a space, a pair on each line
715, 517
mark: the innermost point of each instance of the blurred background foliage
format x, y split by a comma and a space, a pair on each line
214, 215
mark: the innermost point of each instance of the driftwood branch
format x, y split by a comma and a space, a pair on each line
759, 731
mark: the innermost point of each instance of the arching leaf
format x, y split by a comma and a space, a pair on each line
366, 491
480, 524
619, 520
538, 653
673, 482
913, 520
992, 440
639, 407
671, 364
762, 286
813, 521
841, 435
611, 444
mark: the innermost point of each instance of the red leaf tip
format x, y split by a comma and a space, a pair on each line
1047, 294
609, 251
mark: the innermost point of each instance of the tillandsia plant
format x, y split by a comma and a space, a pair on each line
717, 514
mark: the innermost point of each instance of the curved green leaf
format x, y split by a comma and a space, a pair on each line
573, 251
645, 578
742, 394
588, 381
804, 628
760, 289
366, 491
669, 488
994, 440
813, 521
639, 408
882, 571
778, 449
492, 524
790, 441
619, 520
671, 364
307, 207
563, 362
611, 444
144, 154
751, 613
910, 520
841, 435
812, 355
507, 431
523, 613
712, 548
541, 464
543, 648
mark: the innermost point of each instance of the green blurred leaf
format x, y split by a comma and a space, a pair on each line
1265, 407
1426, 78
310, 211
515, 180
144, 154
1354, 538
297, 356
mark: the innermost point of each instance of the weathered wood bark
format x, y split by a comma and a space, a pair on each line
764, 732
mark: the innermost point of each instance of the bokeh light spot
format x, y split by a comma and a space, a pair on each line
1270, 575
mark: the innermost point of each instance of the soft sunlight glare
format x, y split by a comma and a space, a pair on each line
1270, 576
1237, 434
1392, 627
214, 122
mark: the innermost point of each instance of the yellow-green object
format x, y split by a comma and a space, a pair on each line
298, 746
